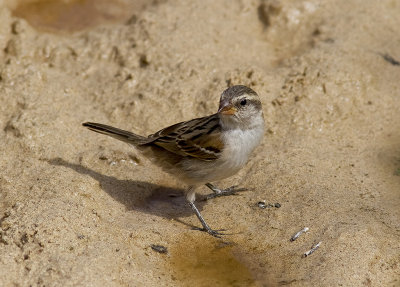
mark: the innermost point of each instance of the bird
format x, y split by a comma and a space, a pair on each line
206, 149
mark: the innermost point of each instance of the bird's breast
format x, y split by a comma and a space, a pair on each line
239, 144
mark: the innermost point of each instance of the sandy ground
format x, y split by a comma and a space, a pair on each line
81, 209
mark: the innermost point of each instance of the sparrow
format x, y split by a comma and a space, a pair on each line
204, 149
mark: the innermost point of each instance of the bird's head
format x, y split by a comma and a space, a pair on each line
240, 105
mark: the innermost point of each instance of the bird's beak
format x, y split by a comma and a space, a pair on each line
227, 110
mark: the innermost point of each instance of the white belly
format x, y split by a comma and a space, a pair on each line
237, 149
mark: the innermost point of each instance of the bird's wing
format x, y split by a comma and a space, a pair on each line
199, 138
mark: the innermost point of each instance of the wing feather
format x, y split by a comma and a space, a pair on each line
199, 138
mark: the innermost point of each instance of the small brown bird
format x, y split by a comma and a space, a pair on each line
204, 149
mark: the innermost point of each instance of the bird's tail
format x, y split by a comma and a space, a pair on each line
121, 135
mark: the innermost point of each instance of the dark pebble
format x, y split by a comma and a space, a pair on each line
159, 248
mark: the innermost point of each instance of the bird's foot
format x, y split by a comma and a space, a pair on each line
223, 192
216, 233
206, 228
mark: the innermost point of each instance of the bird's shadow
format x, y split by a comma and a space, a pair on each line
146, 197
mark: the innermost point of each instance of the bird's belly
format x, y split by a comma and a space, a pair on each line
200, 172
238, 148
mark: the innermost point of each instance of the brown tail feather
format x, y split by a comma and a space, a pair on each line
121, 135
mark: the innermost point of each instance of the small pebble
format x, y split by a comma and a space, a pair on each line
159, 248
263, 205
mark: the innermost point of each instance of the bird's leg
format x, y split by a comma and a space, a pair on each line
206, 228
191, 197
223, 192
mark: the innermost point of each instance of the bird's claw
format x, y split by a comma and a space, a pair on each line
216, 233
225, 192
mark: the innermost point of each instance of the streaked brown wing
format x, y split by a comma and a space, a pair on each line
199, 138
202, 141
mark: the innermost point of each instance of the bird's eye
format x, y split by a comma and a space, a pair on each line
243, 102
